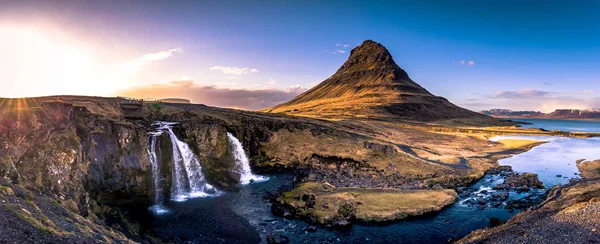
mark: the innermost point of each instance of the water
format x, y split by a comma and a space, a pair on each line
245, 217
556, 157
563, 125
158, 207
187, 179
242, 162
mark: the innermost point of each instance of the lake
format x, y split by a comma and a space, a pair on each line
563, 125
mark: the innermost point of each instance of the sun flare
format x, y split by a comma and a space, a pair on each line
40, 63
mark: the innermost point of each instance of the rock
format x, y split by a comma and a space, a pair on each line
558, 175
460, 189
500, 196
273, 238
311, 229
340, 222
235, 176
499, 187
496, 204
494, 222
386, 149
580, 161
500, 169
481, 201
522, 182
311, 202
347, 210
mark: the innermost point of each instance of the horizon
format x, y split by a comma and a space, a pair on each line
253, 56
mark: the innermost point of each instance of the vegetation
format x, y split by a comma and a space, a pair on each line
370, 205
155, 108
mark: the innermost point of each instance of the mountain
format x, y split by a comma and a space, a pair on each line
575, 114
498, 112
557, 114
371, 85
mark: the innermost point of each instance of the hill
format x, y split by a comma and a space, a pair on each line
592, 114
371, 85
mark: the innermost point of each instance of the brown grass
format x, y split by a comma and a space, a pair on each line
372, 205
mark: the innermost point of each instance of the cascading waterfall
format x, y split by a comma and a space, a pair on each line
242, 164
158, 207
187, 178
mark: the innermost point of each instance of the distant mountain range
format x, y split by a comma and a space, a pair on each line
557, 114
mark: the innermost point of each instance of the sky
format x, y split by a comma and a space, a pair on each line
520, 55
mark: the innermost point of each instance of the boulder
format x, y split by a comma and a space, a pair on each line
273, 238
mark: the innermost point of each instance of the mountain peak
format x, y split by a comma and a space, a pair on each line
371, 85
369, 52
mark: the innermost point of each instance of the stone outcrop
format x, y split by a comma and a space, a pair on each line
569, 215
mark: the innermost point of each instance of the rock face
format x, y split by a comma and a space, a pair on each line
370, 84
71, 153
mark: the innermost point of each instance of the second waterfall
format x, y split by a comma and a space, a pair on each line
242, 164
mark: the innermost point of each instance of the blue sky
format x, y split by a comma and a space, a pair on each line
535, 55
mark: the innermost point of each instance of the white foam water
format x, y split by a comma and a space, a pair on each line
242, 164
187, 179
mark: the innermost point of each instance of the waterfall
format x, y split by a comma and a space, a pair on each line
187, 179
242, 164
158, 207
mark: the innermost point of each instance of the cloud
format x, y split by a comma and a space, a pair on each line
548, 84
520, 94
464, 62
336, 51
213, 96
532, 99
342, 45
271, 82
233, 78
234, 70
135, 65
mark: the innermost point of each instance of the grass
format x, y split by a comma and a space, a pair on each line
7, 191
517, 143
24, 215
371, 204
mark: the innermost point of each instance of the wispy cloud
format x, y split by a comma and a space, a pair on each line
132, 66
464, 62
250, 99
234, 70
339, 48
520, 94
233, 78
342, 45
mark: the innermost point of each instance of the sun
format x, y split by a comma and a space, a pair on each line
39, 62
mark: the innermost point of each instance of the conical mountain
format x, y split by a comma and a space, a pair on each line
371, 85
